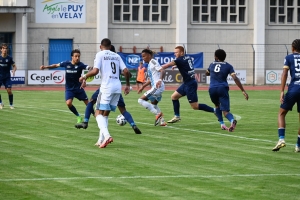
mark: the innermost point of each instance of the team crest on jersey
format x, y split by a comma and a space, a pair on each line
76, 67
68, 66
6, 60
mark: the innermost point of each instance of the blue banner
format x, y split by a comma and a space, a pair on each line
132, 60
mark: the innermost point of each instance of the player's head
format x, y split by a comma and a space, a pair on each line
220, 55
105, 44
178, 51
4, 48
75, 54
296, 45
147, 55
112, 48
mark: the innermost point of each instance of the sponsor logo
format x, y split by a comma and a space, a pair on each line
57, 77
133, 60
272, 76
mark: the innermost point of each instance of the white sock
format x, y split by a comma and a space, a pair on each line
148, 106
101, 137
157, 108
102, 124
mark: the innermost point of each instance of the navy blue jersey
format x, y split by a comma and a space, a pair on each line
292, 62
185, 66
73, 73
218, 73
5, 66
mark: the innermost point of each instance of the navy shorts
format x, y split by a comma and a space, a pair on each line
220, 97
78, 94
189, 90
121, 102
289, 101
6, 82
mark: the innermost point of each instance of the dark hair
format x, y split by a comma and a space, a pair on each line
4, 45
106, 43
112, 48
220, 54
148, 51
296, 45
75, 51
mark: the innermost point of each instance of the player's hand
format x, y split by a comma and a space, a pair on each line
245, 95
83, 84
126, 89
173, 67
81, 79
42, 67
13, 73
281, 97
158, 84
140, 91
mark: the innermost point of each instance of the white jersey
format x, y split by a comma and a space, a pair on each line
109, 65
154, 73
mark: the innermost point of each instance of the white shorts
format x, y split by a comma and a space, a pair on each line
154, 94
107, 101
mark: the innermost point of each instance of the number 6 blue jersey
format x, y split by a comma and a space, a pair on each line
218, 73
292, 62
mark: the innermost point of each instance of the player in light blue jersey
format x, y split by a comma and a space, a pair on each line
189, 86
219, 88
6, 63
288, 100
73, 70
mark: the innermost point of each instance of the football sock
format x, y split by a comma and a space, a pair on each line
219, 115
148, 106
102, 124
230, 117
101, 137
73, 110
281, 133
128, 118
157, 108
298, 141
88, 111
205, 107
11, 99
176, 107
0, 99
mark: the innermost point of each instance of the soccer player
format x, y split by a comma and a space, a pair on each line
141, 75
155, 76
188, 87
121, 106
288, 100
6, 62
218, 88
109, 64
73, 70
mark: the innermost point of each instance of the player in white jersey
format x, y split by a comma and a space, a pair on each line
155, 76
109, 65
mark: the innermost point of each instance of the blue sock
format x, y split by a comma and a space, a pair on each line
298, 141
176, 107
219, 115
88, 111
11, 99
230, 117
0, 99
73, 109
281, 133
205, 108
128, 118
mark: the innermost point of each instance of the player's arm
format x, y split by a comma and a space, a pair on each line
148, 82
283, 82
14, 69
170, 64
239, 84
127, 78
162, 74
91, 73
42, 67
207, 73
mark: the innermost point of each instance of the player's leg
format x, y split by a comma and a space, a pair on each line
155, 99
143, 100
8, 86
297, 148
69, 96
214, 97
1, 104
122, 108
180, 92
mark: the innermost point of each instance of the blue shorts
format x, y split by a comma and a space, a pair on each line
289, 101
220, 97
6, 82
78, 94
121, 102
189, 90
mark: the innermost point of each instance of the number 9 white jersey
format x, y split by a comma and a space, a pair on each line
109, 65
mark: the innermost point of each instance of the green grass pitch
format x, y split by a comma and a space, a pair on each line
44, 157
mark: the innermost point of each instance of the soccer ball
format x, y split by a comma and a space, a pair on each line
121, 120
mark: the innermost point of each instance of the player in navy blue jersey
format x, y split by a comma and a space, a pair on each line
73, 70
6, 63
121, 106
288, 100
219, 88
189, 87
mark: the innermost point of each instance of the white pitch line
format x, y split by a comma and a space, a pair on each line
143, 177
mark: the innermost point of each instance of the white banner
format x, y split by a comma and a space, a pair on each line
55, 77
60, 11
241, 74
274, 77
19, 77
